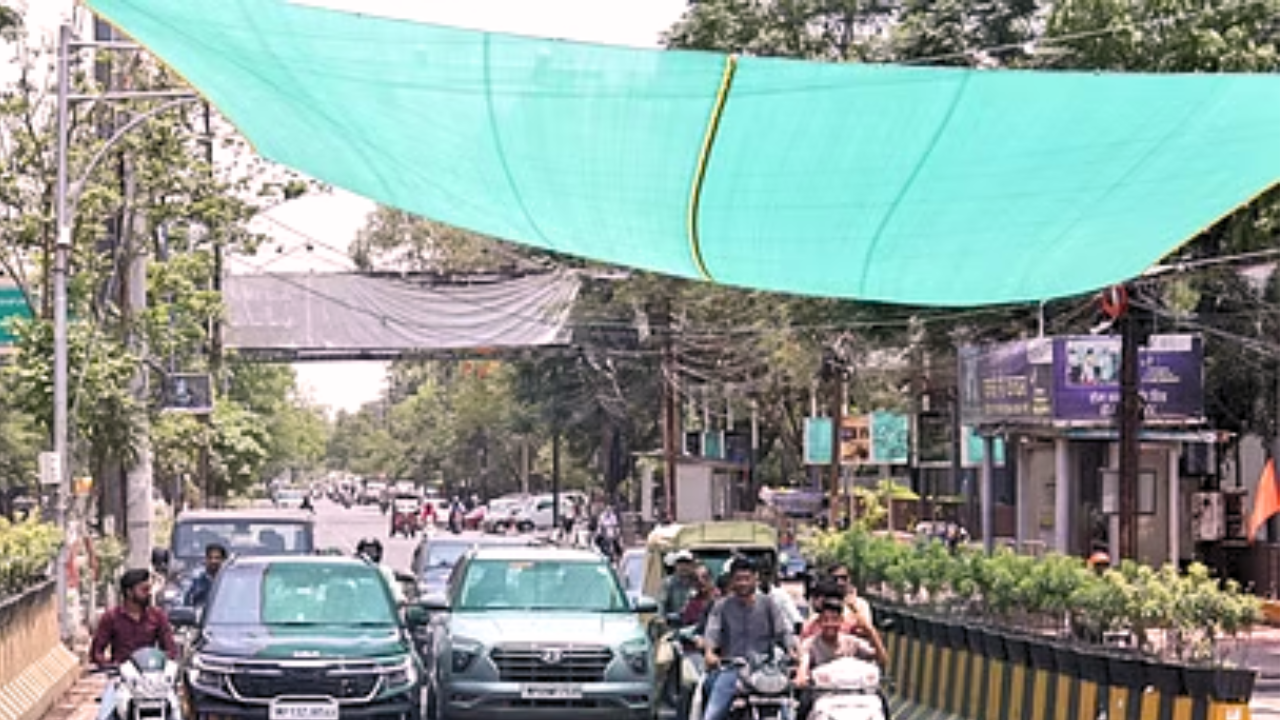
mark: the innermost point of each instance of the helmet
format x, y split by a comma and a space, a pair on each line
1099, 560
370, 548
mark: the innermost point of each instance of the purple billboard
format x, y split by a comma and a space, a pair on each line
1077, 379
1086, 384
1012, 381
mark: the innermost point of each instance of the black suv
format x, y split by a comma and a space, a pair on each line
303, 638
241, 532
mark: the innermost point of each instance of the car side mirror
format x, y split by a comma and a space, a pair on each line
184, 617
416, 616
645, 605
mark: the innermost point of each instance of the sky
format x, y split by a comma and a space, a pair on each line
329, 222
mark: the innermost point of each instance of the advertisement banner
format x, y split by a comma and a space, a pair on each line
12, 305
890, 439
817, 441
1007, 382
855, 439
1087, 378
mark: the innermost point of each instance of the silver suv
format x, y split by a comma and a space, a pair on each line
528, 632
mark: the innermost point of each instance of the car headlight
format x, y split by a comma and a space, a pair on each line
463, 653
636, 654
400, 675
208, 675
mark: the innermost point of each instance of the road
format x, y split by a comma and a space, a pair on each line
343, 528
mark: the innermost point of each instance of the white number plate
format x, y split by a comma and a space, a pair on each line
549, 691
304, 711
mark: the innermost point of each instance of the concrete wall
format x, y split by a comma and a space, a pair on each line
35, 668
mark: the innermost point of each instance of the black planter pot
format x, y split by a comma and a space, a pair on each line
1167, 679
1043, 654
1127, 671
1017, 649
975, 638
1093, 667
935, 632
887, 617
1066, 660
994, 645
1217, 683
957, 636
908, 623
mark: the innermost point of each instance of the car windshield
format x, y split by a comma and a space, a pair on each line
570, 585
301, 594
442, 556
242, 537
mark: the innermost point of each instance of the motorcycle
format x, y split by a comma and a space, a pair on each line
764, 689
848, 689
145, 687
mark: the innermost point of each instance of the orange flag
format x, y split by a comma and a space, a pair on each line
1266, 501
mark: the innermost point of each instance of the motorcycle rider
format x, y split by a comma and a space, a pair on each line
679, 586
371, 550
832, 643
770, 586
130, 626
608, 538
215, 554
745, 623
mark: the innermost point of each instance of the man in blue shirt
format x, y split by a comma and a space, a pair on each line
214, 555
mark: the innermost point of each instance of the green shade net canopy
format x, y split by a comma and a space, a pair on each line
901, 184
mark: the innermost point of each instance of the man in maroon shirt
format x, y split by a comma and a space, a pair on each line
132, 625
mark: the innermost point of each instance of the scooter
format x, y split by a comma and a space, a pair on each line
145, 687
848, 689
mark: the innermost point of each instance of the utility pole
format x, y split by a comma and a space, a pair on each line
1130, 427
670, 434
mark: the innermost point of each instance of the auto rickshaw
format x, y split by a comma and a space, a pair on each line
712, 544
406, 516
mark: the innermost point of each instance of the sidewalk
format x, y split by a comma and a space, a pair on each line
81, 701
1261, 650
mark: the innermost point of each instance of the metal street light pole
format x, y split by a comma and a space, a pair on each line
61, 260
63, 203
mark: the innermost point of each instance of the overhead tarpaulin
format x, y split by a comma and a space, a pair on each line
319, 316
920, 185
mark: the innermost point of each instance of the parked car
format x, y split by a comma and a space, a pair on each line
538, 512
586, 656
500, 512
241, 532
316, 638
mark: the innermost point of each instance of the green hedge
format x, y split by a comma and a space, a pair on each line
1173, 615
26, 550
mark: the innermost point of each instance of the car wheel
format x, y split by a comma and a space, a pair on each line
525, 527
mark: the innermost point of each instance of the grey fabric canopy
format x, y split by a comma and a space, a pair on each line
347, 316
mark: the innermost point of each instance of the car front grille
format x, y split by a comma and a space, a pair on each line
265, 684
551, 664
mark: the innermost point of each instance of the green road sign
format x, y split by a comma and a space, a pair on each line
12, 305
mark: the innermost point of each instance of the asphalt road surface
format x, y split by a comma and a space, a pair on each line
343, 528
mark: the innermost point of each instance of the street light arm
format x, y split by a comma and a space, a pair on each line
123, 130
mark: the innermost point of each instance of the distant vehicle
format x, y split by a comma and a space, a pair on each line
315, 638
436, 556
289, 498
631, 571
241, 532
500, 512
527, 632
538, 512
372, 493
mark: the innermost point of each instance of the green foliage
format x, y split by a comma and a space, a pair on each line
26, 550
1191, 611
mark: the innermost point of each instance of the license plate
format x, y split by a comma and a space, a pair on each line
304, 711
550, 691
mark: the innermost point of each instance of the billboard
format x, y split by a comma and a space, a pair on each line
1077, 379
13, 304
1087, 378
1008, 382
